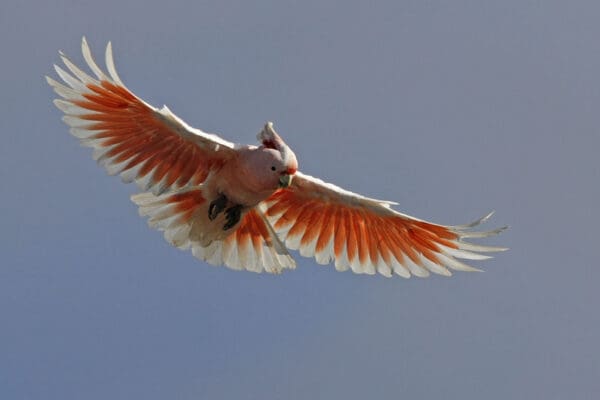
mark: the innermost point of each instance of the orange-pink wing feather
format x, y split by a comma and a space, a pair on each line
130, 137
366, 235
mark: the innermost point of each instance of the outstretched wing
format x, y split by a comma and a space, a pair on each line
130, 137
367, 235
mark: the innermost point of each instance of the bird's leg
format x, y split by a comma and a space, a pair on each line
233, 215
217, 206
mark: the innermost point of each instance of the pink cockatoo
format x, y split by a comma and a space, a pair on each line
240, 205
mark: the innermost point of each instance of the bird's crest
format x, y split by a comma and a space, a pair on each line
271, 140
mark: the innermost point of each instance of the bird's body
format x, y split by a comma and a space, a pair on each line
237, 178
242, 205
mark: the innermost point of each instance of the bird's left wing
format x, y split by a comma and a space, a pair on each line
129, 136
366, 235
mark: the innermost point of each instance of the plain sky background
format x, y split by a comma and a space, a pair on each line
450, 108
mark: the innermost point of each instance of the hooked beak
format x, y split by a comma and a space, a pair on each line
285, 181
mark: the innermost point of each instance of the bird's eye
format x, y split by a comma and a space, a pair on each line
273, 168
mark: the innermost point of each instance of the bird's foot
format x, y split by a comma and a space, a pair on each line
217, 206
233, 215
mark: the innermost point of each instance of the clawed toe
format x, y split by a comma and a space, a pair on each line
233, 215
216, 207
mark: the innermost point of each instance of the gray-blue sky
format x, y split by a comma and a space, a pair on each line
449, 108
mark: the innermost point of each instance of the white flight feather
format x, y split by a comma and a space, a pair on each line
79, 74
454, 264
78, 123
324, 256
69, 108
87, 55
71, 81
64, 91
382, 267
457, 253
110, 65
433, 267
342, 263
398, 268
415, 269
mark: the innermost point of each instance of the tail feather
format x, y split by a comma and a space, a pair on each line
183, 217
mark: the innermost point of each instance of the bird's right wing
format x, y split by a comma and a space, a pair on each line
129, 136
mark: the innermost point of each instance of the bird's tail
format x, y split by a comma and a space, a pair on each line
183, 216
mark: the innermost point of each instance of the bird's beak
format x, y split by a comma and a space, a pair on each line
285, 180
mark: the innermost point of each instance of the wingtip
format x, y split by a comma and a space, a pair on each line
503, 228
467, 234
473, 269
464, 231
84, 44
477, 221
87, 55
110, 64
108, 52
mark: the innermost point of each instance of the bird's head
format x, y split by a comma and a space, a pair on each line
281, 159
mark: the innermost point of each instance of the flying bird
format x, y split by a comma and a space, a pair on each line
244, 206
